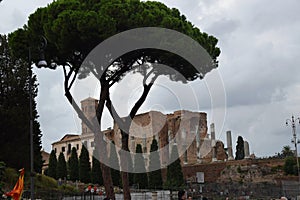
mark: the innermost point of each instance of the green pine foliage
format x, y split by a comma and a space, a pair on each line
14, 111
140, 178
84, 166
114, 161
61, 169
155, 178
52, 165
96, 175
73, 164
175, 178
95, 22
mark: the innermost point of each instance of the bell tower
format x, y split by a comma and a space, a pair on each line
88, 107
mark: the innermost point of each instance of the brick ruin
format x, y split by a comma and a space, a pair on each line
185, 129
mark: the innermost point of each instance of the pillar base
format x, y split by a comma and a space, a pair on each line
230, 158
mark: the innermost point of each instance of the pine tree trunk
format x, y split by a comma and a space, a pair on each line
125, 182
124, 166
107, 180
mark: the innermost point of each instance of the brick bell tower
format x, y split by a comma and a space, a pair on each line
88, 107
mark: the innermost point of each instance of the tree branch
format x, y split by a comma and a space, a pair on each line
74, 77
67, 76
147, 76
94, 73
80, 114
143, 97
140, 101
114, 113
69, 96
123, 69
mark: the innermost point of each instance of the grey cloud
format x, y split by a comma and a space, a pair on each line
223, 27
274, 15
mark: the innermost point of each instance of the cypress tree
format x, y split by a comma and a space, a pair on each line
14, 111
114, 164
61, 169
84, 166
240, 152
96, 175
140, 177
73, 164
52, 165
175, 178
155, 178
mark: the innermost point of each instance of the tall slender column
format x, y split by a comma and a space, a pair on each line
213, 142
246, 150
229, 145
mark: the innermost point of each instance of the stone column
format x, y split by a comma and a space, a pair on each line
213, 142
246, 150
212, 131
198, 140
170, 143
229, 145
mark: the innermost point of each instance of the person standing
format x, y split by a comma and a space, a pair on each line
181, 195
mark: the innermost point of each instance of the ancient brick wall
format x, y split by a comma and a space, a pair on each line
180, 127
211, 171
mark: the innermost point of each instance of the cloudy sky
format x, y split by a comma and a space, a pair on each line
254, 91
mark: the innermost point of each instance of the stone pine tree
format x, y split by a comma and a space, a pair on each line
91, 23
52, 165
287, 151
115, 165
240, 152
61, 169
175, 178
140, 177
155, 178
84, 166
96, 174
73, 165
